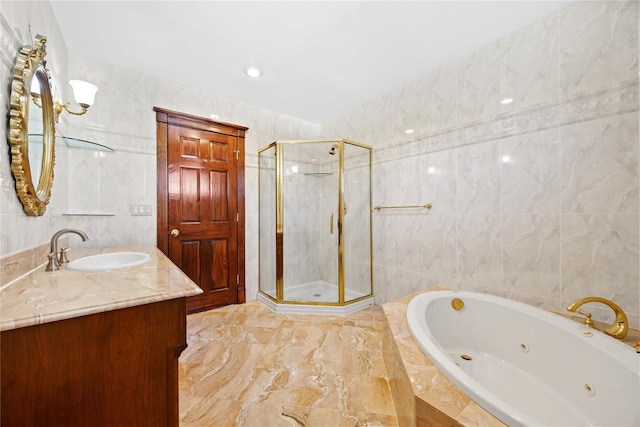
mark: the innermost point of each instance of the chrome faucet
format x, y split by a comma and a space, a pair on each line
55, 259
619, 328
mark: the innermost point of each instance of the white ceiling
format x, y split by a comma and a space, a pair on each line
319, 58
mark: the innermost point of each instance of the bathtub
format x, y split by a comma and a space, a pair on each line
525, 365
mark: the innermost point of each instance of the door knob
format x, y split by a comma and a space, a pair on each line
175, 232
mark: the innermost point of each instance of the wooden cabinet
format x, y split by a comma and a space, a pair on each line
117, 368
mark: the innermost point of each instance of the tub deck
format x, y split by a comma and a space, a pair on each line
438, 402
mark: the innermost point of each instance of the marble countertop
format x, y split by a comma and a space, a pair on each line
41, 296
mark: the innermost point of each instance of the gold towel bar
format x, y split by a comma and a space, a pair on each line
427, 206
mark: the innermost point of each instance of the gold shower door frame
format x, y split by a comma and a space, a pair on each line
279, 146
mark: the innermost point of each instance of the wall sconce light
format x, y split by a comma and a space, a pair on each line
83, 92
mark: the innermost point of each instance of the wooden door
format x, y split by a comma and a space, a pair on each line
202, 190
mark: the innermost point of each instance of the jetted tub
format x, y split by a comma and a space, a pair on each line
525, 365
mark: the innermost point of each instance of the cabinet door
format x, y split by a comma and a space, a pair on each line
118, 368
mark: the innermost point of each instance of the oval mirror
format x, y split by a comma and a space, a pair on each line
31, 128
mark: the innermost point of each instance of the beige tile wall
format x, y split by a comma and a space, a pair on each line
536, 200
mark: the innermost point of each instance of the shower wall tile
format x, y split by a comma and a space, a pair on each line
598, 46
540, 196
609, 102
478, 179
362, 128
115, 232
384, 287
409, 190
440, 88
531, 173
438, 241
84, 172
599, 255
531, 255
337, 126
380, 113
384, 189
480, 252
600, 166
251, 190
118, 196
436, 174
406, 279
479, 85
8, 242
357, 235
150, 181
536, 301
383, 249
410, 102
357, 277
407, 236
529, 66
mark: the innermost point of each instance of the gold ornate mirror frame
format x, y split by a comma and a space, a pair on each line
30, 65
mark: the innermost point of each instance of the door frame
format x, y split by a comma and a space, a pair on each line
165, 118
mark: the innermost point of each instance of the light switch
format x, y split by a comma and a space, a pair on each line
140, 210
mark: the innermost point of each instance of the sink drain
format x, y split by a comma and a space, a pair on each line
465, 357
317, 295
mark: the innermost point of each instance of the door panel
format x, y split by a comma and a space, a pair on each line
219, 271
205, 213
190, 259
219, 196
219, 151
189, 195
189, 147
204, 206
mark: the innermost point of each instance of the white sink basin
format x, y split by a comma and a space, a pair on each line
109, 261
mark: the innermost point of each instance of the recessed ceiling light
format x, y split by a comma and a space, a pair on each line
507, 101
408, 131
253, 72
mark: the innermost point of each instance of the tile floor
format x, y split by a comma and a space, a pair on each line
247, 366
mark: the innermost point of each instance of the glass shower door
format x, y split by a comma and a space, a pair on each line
267, 220
310, 221
357, 252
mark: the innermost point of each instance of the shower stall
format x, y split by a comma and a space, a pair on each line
315, 226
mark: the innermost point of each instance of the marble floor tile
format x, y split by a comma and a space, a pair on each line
247, 366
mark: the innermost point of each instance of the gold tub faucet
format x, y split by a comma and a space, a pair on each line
619, 328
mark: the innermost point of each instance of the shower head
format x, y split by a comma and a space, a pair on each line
332, 151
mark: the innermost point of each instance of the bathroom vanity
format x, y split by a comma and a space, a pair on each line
94, 348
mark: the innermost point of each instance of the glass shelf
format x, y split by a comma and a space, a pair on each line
88, 214
36, 138
86, 145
